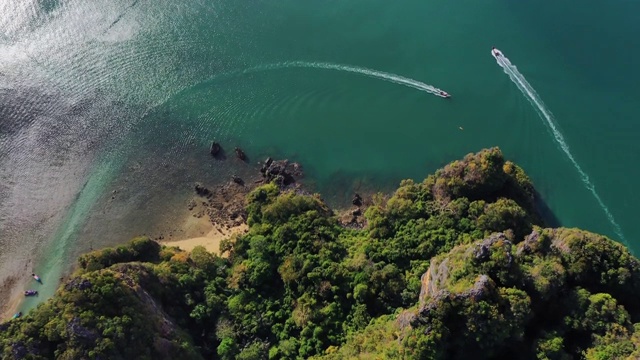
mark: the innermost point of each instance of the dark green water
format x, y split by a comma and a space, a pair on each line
127, 96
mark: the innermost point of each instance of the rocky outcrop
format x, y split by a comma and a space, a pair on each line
236, 179
437, 284
433, 281
483, 288
77, 283
281, 172
215, 149
240, 154
202, 191
530, 244
482, 250
266, 165
77, 332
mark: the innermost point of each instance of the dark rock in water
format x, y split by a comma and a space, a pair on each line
240, 154
266, 165
357, 200
201, 190
356, 212
278, 172
296, 168
237, 180
276, 168
215, 148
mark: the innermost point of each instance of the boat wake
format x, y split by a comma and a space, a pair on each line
548, 119
393, 78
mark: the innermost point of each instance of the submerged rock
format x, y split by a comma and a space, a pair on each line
201, 190
236, 179
240, 154
215, 148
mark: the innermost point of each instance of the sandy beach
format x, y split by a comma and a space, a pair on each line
213, 235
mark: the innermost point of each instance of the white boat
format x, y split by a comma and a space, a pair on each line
444, 94
496, 53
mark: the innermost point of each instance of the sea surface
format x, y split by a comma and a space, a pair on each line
107, 108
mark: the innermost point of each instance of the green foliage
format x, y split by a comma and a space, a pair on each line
454, 267
138, 249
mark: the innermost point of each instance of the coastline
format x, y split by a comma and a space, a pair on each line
212, 214
211, 234
217, 213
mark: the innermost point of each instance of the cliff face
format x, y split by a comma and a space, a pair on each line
455, 267
443, 277
556, 285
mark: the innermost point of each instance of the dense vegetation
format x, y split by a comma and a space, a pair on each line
458, 266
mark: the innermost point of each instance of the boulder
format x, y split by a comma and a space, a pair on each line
266, 165
215, 148
201, 190
277, 171
240, 154
357, 200
236, 179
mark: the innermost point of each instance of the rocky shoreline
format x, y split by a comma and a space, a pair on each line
224, 204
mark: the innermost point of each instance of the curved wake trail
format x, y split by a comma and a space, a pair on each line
533, 97
393, 78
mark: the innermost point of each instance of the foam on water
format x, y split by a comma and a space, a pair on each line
546, 115
381, 75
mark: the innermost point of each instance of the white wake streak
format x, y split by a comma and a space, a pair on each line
527, 90
396, 79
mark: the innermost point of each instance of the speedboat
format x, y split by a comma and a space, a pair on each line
30, 292
445, 94
495, 52
36, 278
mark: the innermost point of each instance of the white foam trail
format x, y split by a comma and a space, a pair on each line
533, 97
396, 79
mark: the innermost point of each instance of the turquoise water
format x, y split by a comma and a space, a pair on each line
147, 85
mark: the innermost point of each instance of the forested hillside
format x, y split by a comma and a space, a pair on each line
458, 266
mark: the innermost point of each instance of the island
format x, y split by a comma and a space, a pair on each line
458, 266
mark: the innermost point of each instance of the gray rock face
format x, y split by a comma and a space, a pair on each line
78, 284
79, 332
483, 288
280, 171
18, 350
529, 244
482, 251
434, 282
